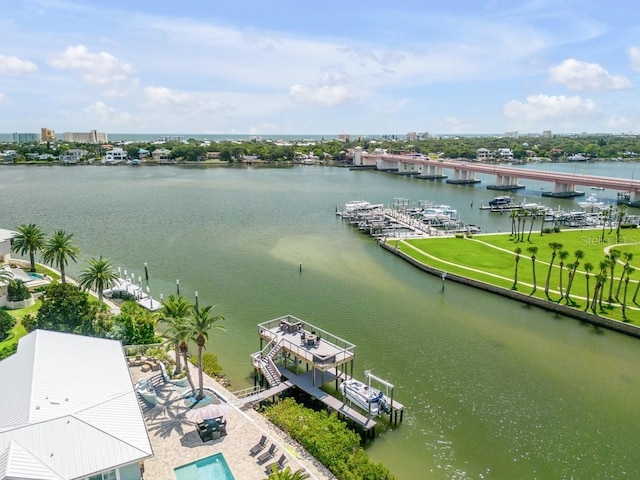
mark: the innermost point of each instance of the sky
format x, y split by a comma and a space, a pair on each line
331, 67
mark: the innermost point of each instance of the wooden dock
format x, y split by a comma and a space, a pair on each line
291, 344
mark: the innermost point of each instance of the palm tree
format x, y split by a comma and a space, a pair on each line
533, 251
202, 321
587, 269
518, 251
175, 311
555, 246
630, 270
534, 214
628, 256
578, 255
604, 266
185, 334
563, 256
29, 239
98, 275
287, 474
512, 216
614, 254
622, 211
58, 250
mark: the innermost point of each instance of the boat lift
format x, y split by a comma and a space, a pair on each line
389, 394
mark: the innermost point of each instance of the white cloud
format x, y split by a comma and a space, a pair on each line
101, 68
634, 56
3, 98
583, 76
549, 107
16, 66
108, 115
163, 97
326, 95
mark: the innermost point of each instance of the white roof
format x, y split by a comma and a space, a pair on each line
69, 408
6, 234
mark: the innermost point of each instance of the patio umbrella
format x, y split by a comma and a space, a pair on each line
198, 415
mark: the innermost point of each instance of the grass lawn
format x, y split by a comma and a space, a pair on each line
18, 330
492, 259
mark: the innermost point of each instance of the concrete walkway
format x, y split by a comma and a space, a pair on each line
175, 441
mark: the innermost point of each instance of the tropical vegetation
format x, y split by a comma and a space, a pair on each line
98, 275
328, 439
58, 250
28, 240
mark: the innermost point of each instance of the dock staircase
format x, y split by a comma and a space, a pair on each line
266, 364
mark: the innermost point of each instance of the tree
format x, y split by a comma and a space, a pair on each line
630, 270
174, 313
628, 256
563, 256
534, 214
6, 276
202, 321
98, 275
578, 255
30, 239
286, 474
588, 267
555, 246
58, 250
518, 251
622, 211
6, 323
614, 254
66, 308
134, 325
533, 251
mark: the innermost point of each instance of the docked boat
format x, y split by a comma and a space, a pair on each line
367, 398
592, 203
501, 201
597, 188
147, 391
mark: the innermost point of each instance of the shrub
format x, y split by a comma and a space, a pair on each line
328, 439
6, 323
210, 364
17, 291
8, 350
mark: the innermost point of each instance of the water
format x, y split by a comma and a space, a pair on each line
211, 468
493, 389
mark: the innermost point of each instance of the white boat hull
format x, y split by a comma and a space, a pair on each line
368, 399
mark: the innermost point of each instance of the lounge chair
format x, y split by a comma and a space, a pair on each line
279, 465
258, 447
269, 454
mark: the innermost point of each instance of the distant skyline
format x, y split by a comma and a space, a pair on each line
265, 68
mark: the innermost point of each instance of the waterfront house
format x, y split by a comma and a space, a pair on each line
115, 156
483, 155
161, 155
68, 410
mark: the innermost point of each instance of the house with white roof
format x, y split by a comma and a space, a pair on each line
68, 410
5, 244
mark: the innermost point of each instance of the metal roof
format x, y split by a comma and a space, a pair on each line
71, 405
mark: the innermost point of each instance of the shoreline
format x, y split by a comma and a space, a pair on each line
598, 321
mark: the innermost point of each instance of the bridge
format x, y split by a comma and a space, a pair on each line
506, 178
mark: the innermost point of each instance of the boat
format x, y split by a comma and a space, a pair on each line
367, 398
500, 201
147, 391
592, 203
597, 188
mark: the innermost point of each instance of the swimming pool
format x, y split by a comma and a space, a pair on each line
210, 468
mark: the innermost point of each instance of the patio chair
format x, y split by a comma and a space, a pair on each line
269, 454
279, 465
258, 447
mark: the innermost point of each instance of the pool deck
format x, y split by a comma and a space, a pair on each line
175, 441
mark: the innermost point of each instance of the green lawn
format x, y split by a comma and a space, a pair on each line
18, 330
491, 258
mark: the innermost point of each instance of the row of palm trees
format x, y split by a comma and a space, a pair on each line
606, 272
184, 322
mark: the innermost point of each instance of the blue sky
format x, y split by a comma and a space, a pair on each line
291, 67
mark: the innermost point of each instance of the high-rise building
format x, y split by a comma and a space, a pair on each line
47, 135
26, 137
82, 137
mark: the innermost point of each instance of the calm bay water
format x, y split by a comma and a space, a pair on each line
493, 389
